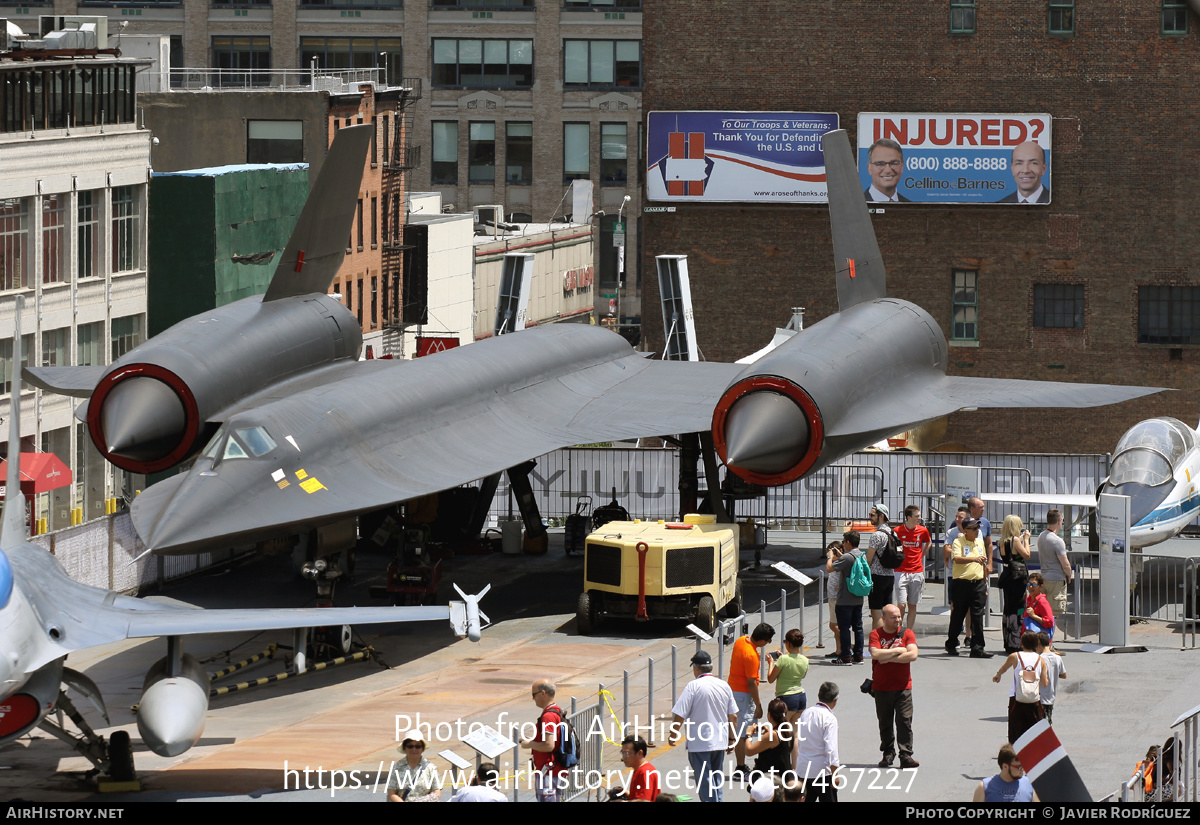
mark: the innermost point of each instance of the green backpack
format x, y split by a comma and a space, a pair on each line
858, 580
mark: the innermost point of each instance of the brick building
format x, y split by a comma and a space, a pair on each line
520, 97
1117, 245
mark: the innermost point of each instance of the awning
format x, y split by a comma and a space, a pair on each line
40, 473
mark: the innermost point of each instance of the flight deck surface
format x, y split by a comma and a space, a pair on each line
1109, 709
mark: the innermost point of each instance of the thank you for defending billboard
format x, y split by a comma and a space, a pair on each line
958, 158
742, 157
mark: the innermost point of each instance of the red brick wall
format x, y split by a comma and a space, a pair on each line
1125, 180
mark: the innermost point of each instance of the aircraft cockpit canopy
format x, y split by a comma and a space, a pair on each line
6, 580
1148, 453
244, 442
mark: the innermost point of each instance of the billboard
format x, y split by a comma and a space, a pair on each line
736, 157
955, 158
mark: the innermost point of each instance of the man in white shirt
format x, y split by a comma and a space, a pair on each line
482, 788
709, 716
817, 747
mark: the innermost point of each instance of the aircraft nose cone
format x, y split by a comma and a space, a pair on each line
765, 433
143, 419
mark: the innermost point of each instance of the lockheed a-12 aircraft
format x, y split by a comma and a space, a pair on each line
45, 615
302, 434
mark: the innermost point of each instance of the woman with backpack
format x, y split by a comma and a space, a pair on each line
1025, 695
1014, 552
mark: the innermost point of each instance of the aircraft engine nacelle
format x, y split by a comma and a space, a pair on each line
22, 711
170, 716
793, 409
157, 403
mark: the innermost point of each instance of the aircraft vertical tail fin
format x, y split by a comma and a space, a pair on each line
12, 525
318, 243
857, 261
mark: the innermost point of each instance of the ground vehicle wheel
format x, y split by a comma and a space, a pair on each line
120, 757
706, 614
734, 608
585, 615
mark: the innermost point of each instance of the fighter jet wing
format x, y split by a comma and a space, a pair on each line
381, 432
78, 616
936, 395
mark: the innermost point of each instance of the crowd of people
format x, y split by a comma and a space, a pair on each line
793, 740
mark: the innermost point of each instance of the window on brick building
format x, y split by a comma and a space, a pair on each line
15, 243
483, 64
962, 16
89, 344
602, 64
1168, 315
498, 5
54, 236
1174, 17
342, 53
481, 153
445, 151
56, 347
965, 305
6, 361
1062, 17
351, 4
518, 153
576, 151
87, 236
126, 218
238, 58
1058, 306
275, 141
602, 5
126, 334
613, 154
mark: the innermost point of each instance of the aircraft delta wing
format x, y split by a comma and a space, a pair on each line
45, 615
323, 436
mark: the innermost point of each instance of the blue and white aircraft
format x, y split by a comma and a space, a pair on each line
1156, 463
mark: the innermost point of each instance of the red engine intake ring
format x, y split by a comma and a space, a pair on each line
190, 409
816, 427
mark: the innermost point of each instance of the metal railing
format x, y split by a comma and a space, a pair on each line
329, 80
647, 483
1175, 770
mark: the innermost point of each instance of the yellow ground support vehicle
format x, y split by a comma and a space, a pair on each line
646, 570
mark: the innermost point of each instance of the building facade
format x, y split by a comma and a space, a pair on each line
73, 187
520, 99
1101, 284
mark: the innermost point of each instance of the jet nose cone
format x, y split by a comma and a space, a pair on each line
143, 419
183, 511
765, 433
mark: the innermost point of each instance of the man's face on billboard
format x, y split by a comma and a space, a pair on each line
1028, 166
885, 165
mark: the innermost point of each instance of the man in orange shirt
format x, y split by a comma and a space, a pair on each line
743, 679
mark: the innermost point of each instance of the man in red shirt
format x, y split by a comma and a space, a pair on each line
743, 679
910, 575
893, 649
643, 783
546, 772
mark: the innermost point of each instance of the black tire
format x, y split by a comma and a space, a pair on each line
120, 757
585, 615
706, 615
734, 608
